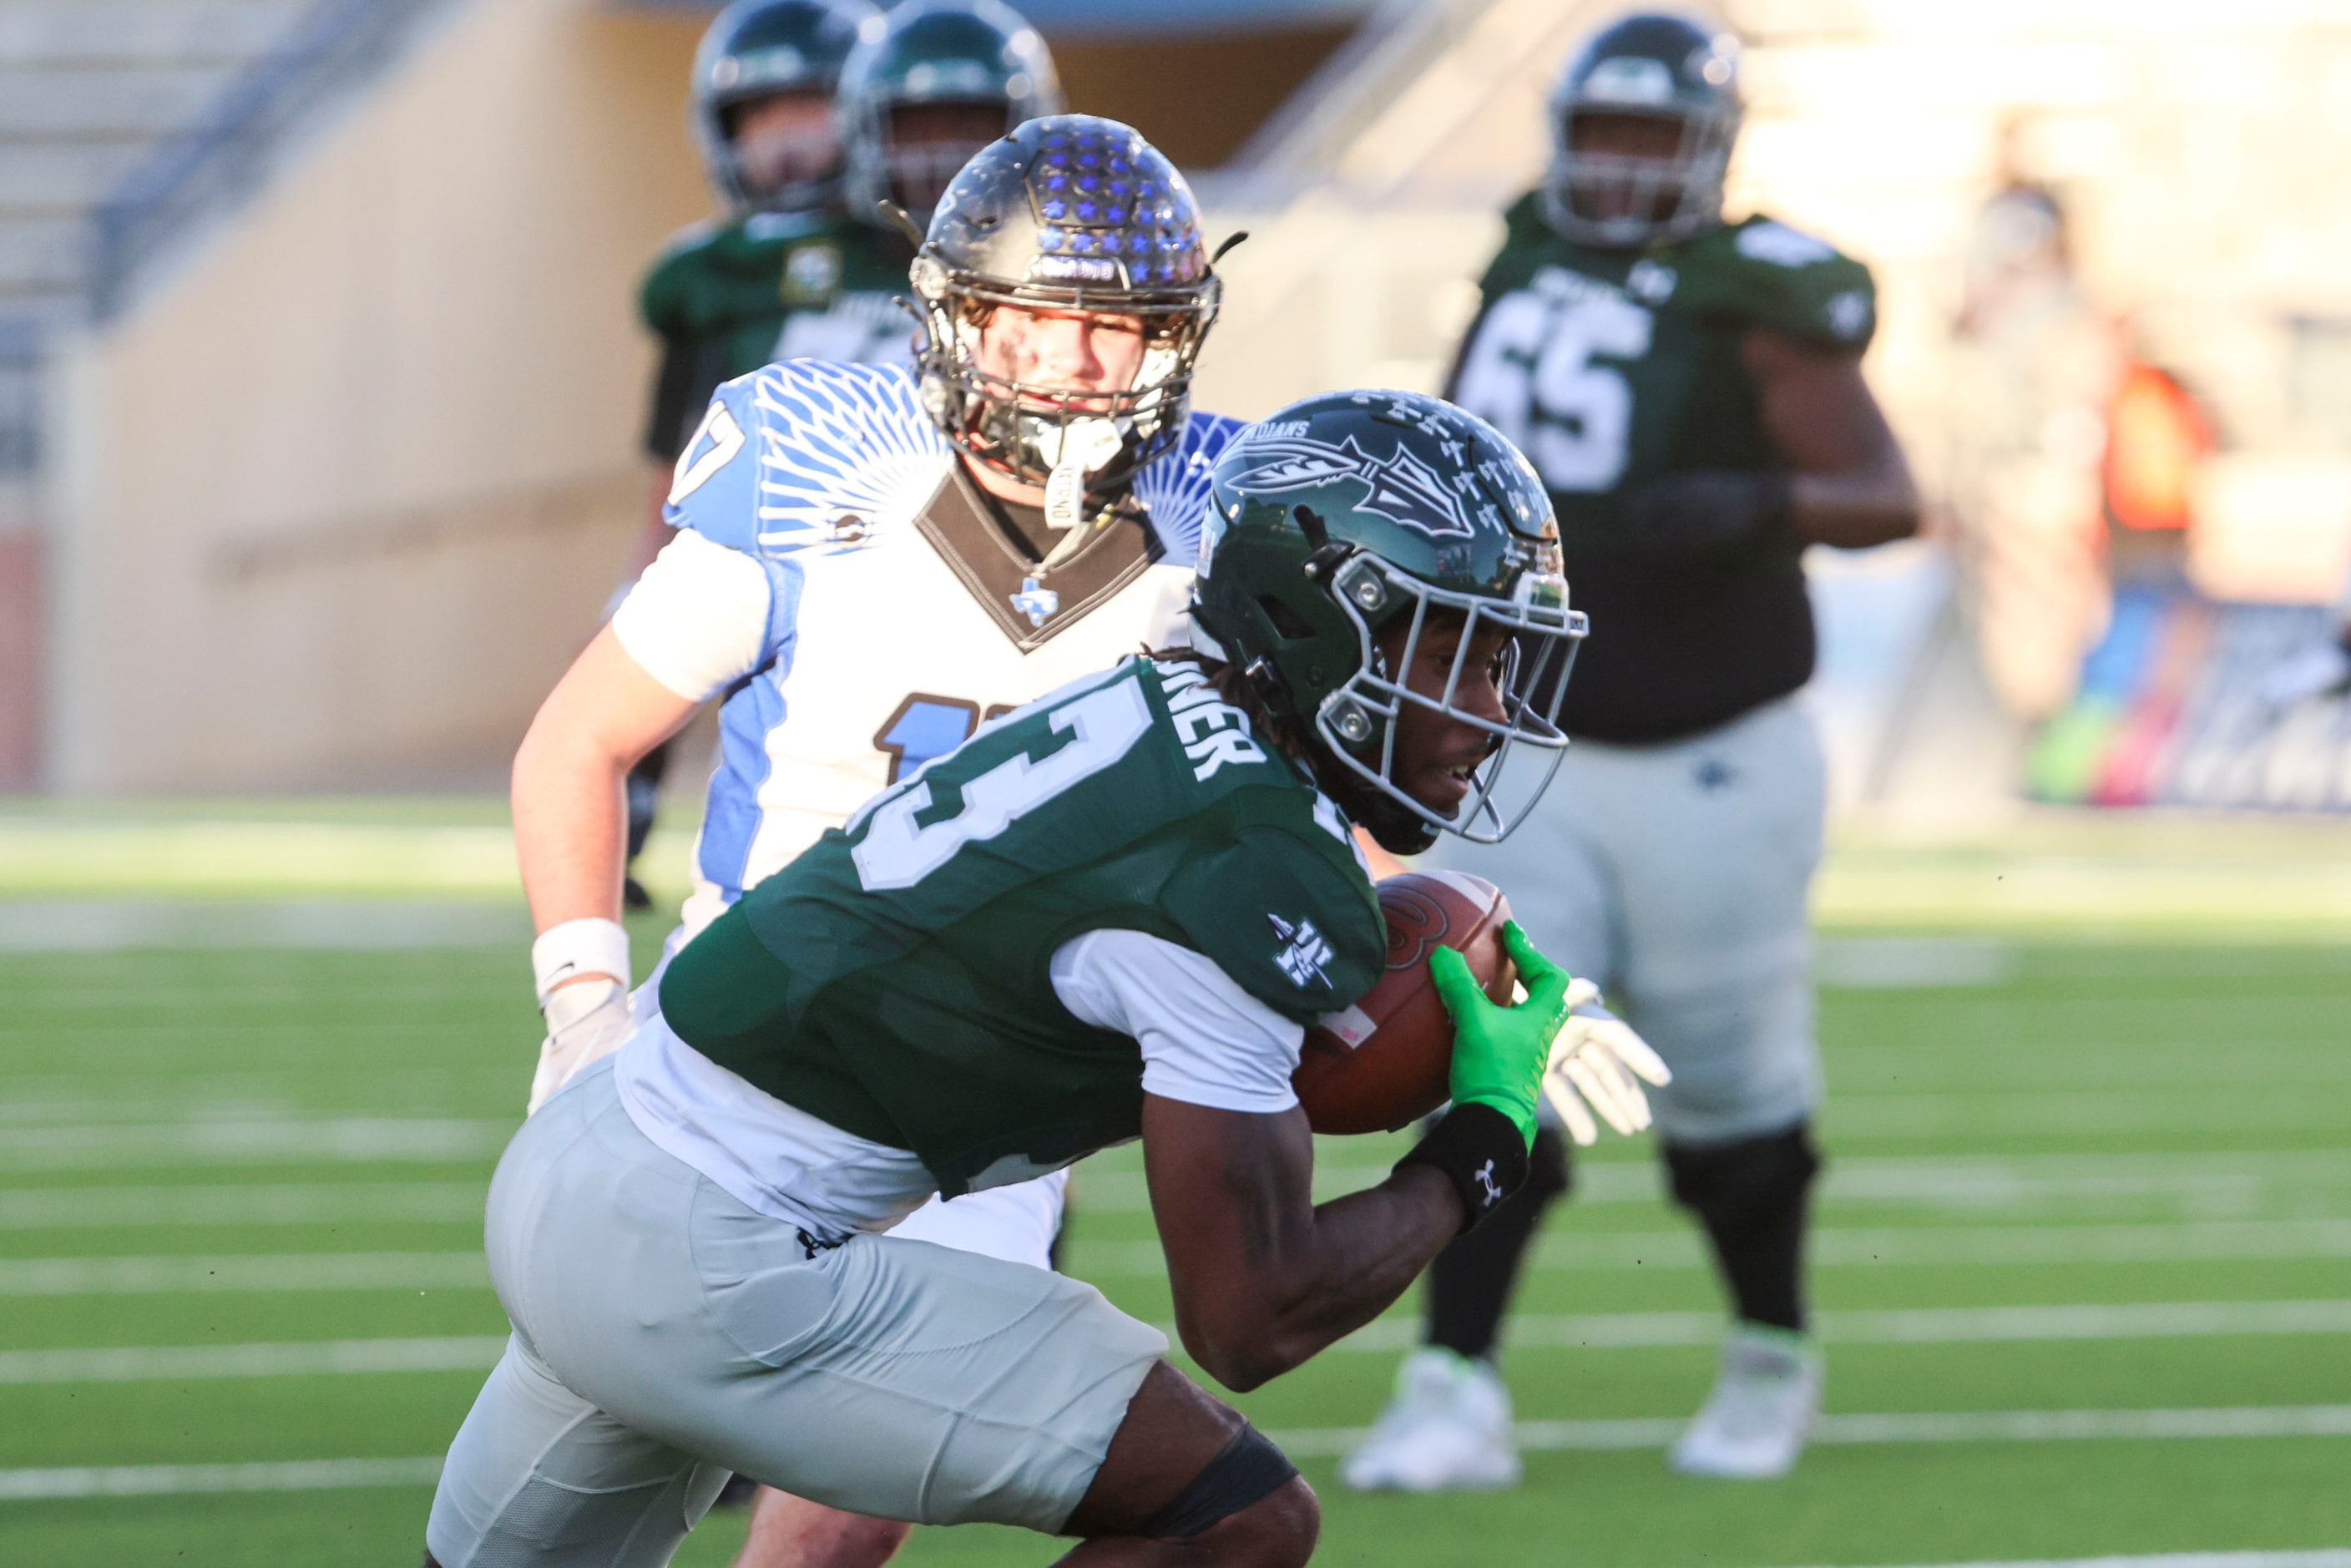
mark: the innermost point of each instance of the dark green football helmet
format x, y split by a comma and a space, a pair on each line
1347, 512
1650, 65
976, 54
760, 48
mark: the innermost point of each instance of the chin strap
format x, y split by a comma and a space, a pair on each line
1087, 446
1394, 828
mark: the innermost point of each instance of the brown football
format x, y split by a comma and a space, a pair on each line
1383, 1063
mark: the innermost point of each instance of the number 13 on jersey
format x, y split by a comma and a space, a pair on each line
1534, 371
1090, 733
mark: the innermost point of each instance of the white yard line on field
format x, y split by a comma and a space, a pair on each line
1988, 1425
2219, 1183
120, 1364
1924, 1427
278, 1203
2230, 1180
251, 1140
463, 1270
305, 1358
2332, 1557
1950, 1246
1921, 1325
167, 1480
1900, 963
2004, 1245
346, 924
268, 1272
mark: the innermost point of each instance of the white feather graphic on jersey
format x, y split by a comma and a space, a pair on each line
837, 443
1174, 490
842, 441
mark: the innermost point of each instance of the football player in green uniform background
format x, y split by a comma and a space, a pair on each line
1690, 389
808, 114
1109, 915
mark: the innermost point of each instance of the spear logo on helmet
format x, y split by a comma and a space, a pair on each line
1401, 487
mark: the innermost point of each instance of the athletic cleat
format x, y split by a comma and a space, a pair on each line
1448, 1428
1754, 1424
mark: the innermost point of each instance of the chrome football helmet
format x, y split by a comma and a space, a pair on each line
1072, 212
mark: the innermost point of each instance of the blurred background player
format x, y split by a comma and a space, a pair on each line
1691, 391
809, 114
925, 90
1021, 511
2321, 669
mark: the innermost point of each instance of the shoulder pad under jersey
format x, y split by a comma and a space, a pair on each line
661, 298
1286, 909
807, 454
1764, 273
1172, 488
1526, 239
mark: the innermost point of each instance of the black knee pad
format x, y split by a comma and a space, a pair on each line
1247, 1470
1732, 1184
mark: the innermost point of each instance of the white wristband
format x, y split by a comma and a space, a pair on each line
579, 947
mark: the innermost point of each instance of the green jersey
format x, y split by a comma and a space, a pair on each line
727, 298
895, 981
1610, 369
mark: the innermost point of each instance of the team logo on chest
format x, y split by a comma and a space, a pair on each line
1034, 602
811, 274
1303, 951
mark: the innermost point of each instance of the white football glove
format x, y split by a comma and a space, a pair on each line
585, 1019
1598, 1064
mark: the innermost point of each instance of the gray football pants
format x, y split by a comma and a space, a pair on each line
1676, 877
664, 1336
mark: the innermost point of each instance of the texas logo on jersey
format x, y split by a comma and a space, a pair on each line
884, 648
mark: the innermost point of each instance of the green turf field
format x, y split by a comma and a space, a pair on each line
2086, 1269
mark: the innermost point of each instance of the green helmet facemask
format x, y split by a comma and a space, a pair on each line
1352, 513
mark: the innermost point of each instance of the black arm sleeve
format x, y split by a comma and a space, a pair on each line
680, 397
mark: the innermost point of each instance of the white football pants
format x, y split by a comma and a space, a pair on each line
1018, 1224
1675, 878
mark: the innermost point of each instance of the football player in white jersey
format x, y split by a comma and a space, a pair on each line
868, 564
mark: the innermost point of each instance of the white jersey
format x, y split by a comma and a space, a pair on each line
849, 647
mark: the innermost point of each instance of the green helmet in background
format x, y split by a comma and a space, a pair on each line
1346, 513
977, 56
1677, 69
762, 48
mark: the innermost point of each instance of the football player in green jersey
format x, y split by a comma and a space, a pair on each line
1690, 388
925, 91
1109, 915
802, 263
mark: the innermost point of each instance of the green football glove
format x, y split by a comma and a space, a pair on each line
1499, 1053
